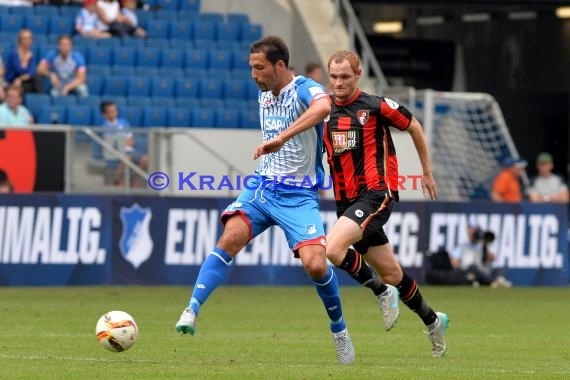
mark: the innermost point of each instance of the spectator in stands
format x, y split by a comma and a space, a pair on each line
5, 185
2, 81
12, 112
547, 186
118, 134
476, 259
21, 65
128, 10
314, 71
507, 186
109, 12
293, 70
87, 22
65, 69
16, 3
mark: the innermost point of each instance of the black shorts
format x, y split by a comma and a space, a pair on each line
370, 211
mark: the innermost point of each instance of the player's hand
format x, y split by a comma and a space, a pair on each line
267, 147
429, 187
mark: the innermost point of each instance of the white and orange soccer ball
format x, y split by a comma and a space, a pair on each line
116, 331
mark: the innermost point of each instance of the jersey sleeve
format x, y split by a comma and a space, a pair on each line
310, 91
398, 116
78, 57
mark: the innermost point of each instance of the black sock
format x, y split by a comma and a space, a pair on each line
411, 296
356, 267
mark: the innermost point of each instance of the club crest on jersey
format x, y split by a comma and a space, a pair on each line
344, 140
362, 116
136, 243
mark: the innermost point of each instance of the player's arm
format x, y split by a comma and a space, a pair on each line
315, 114
428, 183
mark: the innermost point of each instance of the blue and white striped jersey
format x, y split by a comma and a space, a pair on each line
300, 158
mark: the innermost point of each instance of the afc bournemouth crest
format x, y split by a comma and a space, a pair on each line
362, 116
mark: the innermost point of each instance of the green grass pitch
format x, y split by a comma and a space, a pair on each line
282, 333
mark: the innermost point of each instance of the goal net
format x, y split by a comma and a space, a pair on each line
467, 137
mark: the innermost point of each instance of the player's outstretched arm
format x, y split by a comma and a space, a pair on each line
312, 116
428, 183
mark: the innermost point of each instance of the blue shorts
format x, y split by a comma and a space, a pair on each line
295, 210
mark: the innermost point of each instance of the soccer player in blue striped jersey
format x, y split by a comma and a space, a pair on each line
284, 190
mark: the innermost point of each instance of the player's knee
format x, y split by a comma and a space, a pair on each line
393, 276
316, 268
336, 254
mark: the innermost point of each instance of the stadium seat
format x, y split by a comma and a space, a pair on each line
51, 115
250, 32
90, 101
35, 102
212, 103
138, 86
188, 103
167, 5
42, 51
139, 101
172, 58
148, 72
94, 84
133, 115
61, 25
196, 59
64, 101
99, 70
97, 118
20, 11
162, 87
163, 102
249, 119
230, 45
220, 59
120, 101
124, 56
69, 12
125, 71
98, 55
46, 10
192, 73
202, 44
189, 5
170, 72
235, 89
154, 117
203, 118
227, 31
115, 85
238, 18
210, 88
11, 23
148, 57
227, 118
109, 42
186, 87
37, 24
181, 30
237, 104
166, 15
252, 90
181, 44
157, 29
212, 17
221, 74
240, 60
157, 43
131, 42
204, 30
85, 42
79, 115
178, 117
144, 17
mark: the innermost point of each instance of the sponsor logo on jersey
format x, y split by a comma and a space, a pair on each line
274, 123
392, 104
362, 116
136, 243
344, 140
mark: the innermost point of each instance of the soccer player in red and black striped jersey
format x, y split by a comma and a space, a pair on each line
364, 169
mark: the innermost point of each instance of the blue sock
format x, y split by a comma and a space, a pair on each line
211, 274
327, 288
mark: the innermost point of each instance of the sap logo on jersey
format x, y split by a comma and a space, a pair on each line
136, 244
274, 123
50, 235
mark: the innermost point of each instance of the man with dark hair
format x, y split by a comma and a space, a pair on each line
291, 117
314, 71
364, 168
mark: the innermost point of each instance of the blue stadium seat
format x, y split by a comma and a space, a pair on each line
188, 103
230, 45
238, 18
163, 102
250, 32
193, 73
227, 118
249, 119
37, 24
69, 12
97, 118
133, 115
222, 74
85, 42
64, 101
178, 117
138, 86
157, 43
51, 115
154, 117
212, 17
237, 104
171, 72
148, 57
167, 5
120, 101
125, 71
148, 72
99, 55
20, 11
196, 59
162, 87
46, 10
79, 115
94, 84
175, 43
204, 30
189, 5
99, 70
220, 59
61, 25
186, 87
139, 101
201, 44
124, 56
210, 88
166, 15
131, 42
157, 29
252, 90
172, 58
188, 16
115, 85
49, 39
235, 89
212, 103
240, 60
42, 51
144, 17
203, 118
90, 101
109, 42
11, 23
228, 31
35, 102
181, 30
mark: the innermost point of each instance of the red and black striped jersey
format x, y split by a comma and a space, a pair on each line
360, 150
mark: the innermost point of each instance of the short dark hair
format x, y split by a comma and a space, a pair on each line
274, 49
311, 66
105, 104
63, 37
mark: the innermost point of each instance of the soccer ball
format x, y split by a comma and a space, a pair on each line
116, 331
